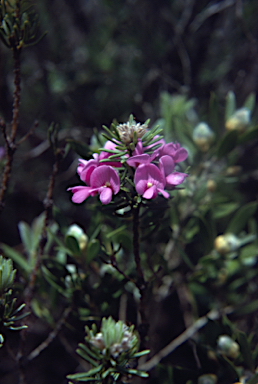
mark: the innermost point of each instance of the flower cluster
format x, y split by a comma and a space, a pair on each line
114, 338
149, 163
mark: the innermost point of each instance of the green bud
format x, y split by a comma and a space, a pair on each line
7, 274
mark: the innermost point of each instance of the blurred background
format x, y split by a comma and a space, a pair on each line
106, 59
102, 60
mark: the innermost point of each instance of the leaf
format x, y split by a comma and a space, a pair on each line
93, 249
25, 234
73, 245
223, 210
250, 102
241, 218
230, 105
249, 135
16, 257
245, 350
253, 380
80, 148
227, 144
83, 375
247, 309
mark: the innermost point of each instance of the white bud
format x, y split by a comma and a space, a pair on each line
239, 120
203, 136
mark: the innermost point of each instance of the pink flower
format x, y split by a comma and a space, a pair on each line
149, 181
86, 167
173, 150
167, 166
104, 180
140, 157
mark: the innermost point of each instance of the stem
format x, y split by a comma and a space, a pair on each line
48, 203
136, 251
140, 282
10, 142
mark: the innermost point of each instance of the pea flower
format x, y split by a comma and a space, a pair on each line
173, 150
149, 181
104, 180
173, 178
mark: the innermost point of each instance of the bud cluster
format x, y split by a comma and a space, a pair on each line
114, 338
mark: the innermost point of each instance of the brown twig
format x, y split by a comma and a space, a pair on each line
51, 336
186, 335
48, 204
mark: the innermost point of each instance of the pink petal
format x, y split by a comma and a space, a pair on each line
150, 193
105, 195
105, 174
136, 160
80, 193
164, 193
175, 178
181, 155
166, 165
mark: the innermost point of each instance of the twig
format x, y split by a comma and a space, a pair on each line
187, 334
209, 11
51, 336
48, 203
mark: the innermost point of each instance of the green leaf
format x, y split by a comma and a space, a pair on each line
227, 144
241, 218
253, 380
81, 375
137, 372
249, 135
25, 233
250, 102
245, 350
223, 210
80, 148
16, 257
93, 249
230, 105
247, 309
73, 245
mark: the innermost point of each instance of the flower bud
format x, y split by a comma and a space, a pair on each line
7, 274
208, 378
226, 243
228, 346
211, 185
239, 120
77, 232
203, 136
128, 130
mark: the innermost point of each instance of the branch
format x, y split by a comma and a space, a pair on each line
187, 334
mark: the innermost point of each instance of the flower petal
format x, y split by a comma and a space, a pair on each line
175, 178
166, 165
105, 195
80, 193
151, 192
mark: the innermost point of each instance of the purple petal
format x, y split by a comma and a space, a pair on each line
150, 193
105, 195
105, 175
181, 155
80, 193
166, 165
175, 178
164, 193
136, 160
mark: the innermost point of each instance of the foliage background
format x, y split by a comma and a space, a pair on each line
103, 60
